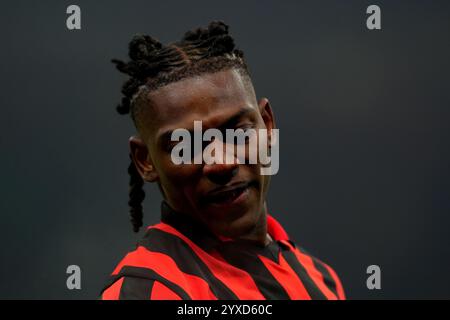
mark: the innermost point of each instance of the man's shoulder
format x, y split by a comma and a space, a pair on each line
130, 287
318, 270
146, 267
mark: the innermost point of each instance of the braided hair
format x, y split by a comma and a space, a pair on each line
153, 65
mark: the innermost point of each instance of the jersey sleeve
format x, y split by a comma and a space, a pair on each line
339, 288
330, 278
134, 288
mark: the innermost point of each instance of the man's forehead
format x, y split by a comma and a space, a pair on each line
199, 97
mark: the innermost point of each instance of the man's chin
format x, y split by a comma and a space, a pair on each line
234, 223
239, 227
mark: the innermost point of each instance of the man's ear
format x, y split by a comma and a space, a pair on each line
266, 112
141, 159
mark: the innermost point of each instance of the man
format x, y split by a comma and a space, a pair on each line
216, 239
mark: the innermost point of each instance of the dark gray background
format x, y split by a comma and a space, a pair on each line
363, 118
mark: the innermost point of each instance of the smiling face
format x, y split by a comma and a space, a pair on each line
228, 198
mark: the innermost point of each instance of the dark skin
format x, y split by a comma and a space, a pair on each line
223, 100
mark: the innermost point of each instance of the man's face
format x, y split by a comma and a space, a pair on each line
228, 198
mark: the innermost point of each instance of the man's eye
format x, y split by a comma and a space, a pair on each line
247, 131
242, 134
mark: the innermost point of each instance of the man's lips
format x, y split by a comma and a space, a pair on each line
226, 194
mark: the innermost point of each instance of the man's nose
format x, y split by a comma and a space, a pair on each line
225, 170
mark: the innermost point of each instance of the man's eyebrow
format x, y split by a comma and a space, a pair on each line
234, 118
166, 136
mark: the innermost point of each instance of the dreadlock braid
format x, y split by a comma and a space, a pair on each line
136, 196
153, 65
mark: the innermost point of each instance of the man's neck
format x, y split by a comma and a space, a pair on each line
259, 233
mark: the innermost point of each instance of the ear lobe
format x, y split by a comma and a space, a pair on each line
141, 159
150, 175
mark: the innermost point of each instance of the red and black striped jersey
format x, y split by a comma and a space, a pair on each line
179, 259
